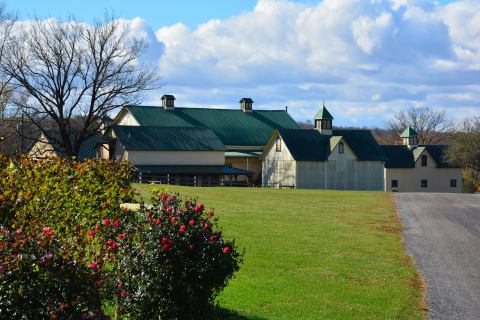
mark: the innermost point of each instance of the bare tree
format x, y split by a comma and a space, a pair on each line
7, 21
431, 125
75, 75
465, 149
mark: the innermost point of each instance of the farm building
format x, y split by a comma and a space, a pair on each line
419, 168
243, 132
325, 158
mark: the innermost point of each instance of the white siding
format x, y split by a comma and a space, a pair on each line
278, 167
127, 120
358, 175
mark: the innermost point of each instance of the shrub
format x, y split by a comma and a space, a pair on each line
169, 263
40, 279
68, 195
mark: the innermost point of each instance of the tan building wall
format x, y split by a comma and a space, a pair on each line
42, 149
174, 157
246, 163
409, 179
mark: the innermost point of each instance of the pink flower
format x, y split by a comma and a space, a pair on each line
47, 231
116, 223
227, 250
94, 265
97, 227
207, 226
49, 256
191, 222
173, 220
149, 214
106, 222
169, 210
91, 233
119, 285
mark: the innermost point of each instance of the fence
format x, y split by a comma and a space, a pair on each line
185, 180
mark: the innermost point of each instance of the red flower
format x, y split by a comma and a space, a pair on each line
201, 206
182, 229
191, 248
191, 222
173, 220
123, 293
210, 213
149, 214
227, 250
164, 197
116, 223
94, 265
213, 238
99, 282
119, 285
122, 235
97, 227
207, 226
164, 240
179, 212
196, 209
91, 233
47, 231
169, 210
112, 244
106, 222
166, 247
157, 221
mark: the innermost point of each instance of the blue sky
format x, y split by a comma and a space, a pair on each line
367, 59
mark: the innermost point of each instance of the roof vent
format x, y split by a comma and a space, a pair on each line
168, 101
246, 104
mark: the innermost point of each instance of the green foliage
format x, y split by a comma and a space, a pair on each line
68, 195
471, 181
40, 279
168, 263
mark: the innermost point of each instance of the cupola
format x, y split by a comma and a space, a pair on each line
168, 101
323, 121
410, 138
246, 104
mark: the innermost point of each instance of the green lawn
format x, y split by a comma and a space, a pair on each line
312, 254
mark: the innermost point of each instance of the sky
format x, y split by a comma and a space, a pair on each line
366, 59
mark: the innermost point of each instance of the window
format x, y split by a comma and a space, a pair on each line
327, 124
318, 123
279, 145
394, 183
453, 183
424, 160
341, 148
424, 183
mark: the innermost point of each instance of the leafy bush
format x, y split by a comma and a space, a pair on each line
68, 195
168, 263
471, 182
40, 278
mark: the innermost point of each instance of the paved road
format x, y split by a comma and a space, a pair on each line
442, 233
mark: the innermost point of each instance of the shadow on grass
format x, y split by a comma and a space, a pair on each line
225, 314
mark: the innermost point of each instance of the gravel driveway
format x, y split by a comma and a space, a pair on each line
442, 233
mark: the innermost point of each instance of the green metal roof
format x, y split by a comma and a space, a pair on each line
409, 132
233, 127
323, 114
362, 143
150, 138
311, 145
87, 149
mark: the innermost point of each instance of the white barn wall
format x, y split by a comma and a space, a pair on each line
278, 167
127, 120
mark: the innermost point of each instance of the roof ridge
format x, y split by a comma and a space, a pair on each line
205, 108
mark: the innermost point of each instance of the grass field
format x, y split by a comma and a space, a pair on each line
312, 254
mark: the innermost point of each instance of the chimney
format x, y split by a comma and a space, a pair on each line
246, 104
168, 101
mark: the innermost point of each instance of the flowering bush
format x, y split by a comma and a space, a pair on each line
169, 263
68, 195
40, 278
